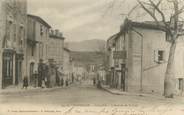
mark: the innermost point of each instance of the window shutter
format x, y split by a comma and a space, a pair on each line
156, 56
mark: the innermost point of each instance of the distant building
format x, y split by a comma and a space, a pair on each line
138, 57
36, 44
13, 24
67, 64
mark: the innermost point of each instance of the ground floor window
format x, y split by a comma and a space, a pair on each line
180, 80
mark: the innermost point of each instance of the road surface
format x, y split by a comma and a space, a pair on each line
87, 96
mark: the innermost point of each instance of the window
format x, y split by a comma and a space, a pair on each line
7, 65
21, 35
180, 83
159, 56
41, 30
168, 37
15, 32
32, 50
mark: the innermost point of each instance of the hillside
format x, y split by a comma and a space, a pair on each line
86, 45
87, 57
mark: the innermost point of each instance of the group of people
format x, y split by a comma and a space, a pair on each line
47, 76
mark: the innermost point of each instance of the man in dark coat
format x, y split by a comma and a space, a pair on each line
62, 82
25, 82
72, 78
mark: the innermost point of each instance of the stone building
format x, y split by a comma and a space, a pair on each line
36, 44
138, 57
13, 24
55, 47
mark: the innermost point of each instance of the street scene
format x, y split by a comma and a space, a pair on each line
92, 53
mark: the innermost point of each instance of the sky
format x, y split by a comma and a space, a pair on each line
82, 19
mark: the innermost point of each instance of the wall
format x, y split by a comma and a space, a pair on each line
17, 11
39, 49
134, 62
153, 73
2, 26
55, 50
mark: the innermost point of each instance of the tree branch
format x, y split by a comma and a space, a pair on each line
156, 6
148, 11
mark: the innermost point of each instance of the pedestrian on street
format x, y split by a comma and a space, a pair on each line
72, 78
35, 78
25, 82
40, 72
57, 77
66, 82
94, 81
62, 82
47, 77
99, 84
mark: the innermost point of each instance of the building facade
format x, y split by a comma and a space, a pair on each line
55, 48
36, 44
67, 65
13, 24
138, 57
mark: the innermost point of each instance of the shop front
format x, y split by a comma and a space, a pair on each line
7, 67
18, 68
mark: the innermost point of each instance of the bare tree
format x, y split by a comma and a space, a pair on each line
172, 28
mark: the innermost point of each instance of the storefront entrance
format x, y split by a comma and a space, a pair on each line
18, 68
7, 74
31, 73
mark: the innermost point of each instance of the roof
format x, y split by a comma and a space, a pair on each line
145, 25
149, 25
39, 19
66, 49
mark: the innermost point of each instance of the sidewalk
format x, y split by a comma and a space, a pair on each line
120, 92
18, 89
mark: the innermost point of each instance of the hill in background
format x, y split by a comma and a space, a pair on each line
87, 57
86, 45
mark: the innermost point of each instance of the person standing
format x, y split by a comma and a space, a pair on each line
40, 73
47, 77
36, 78
72, 78
25, 82
94, 81
62, 82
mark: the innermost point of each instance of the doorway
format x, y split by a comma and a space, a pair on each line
18, 69
31, 73
7, 73
123, 73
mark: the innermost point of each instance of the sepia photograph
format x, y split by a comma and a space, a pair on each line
91, 57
